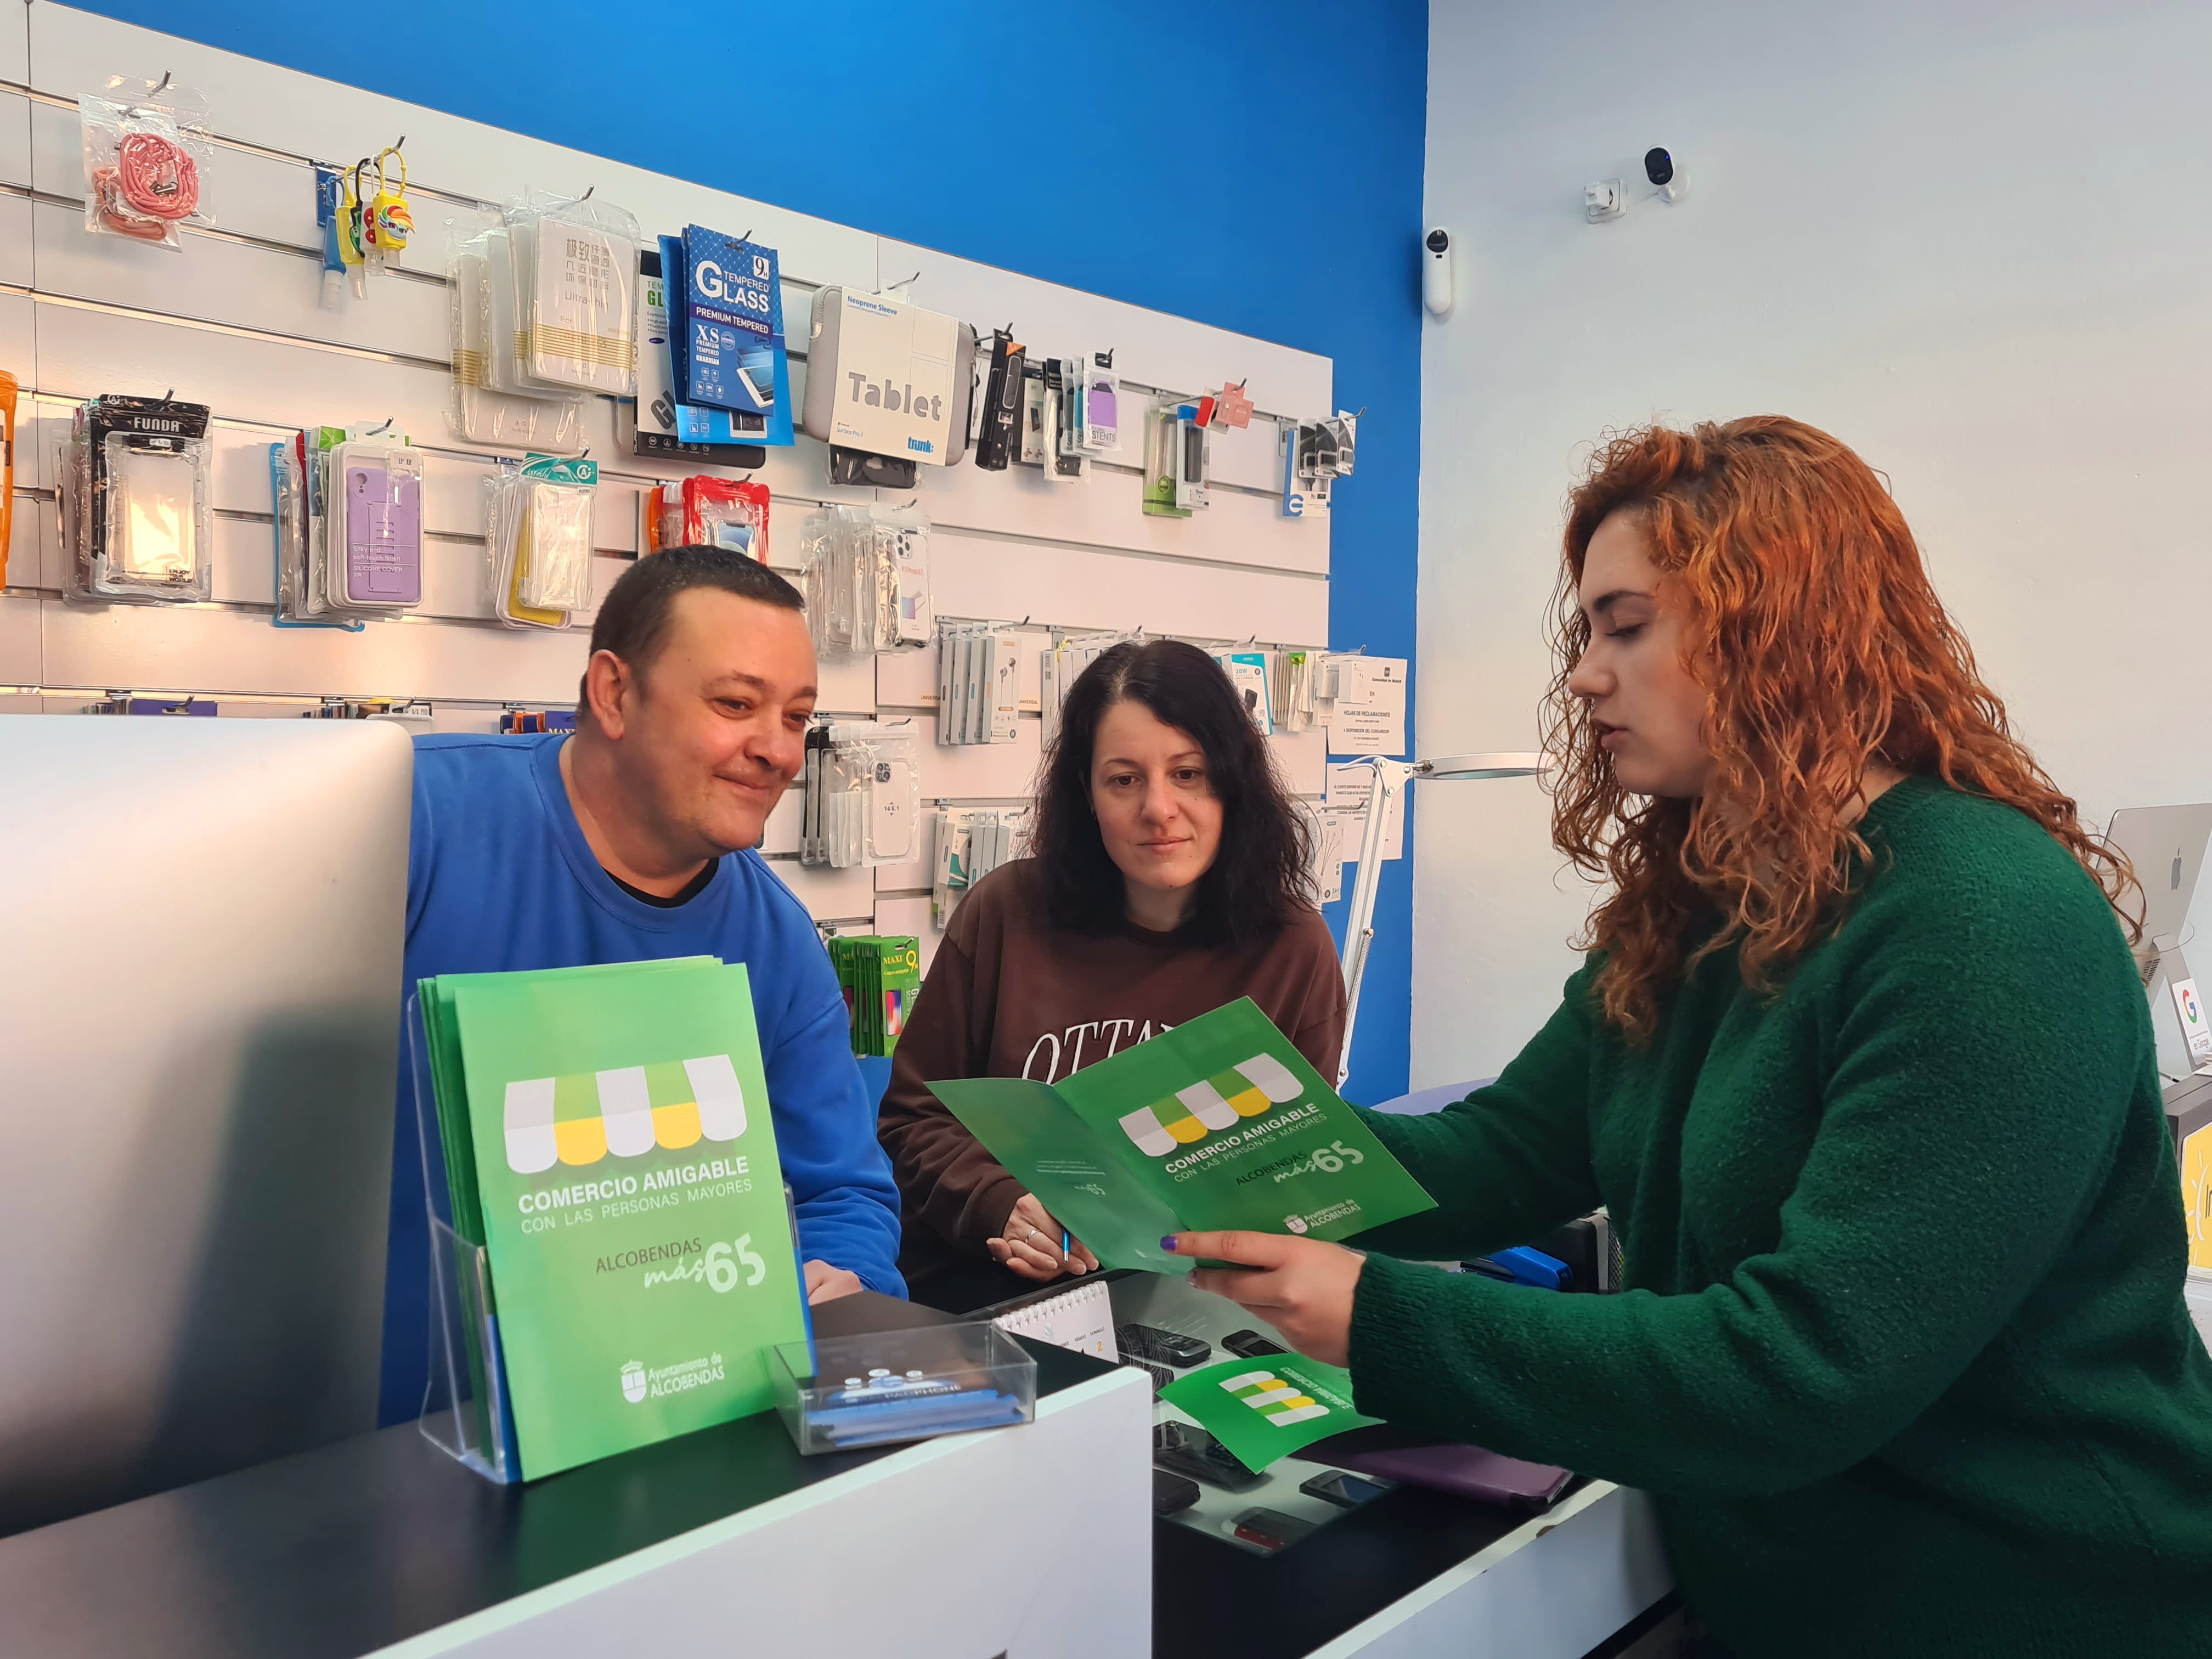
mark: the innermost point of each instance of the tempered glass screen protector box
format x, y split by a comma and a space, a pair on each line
1220, 1123
625, 1169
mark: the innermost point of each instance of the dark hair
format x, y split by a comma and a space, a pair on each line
633, 619
1259, 878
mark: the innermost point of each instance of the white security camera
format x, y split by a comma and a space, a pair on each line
1664, 171
1437, 272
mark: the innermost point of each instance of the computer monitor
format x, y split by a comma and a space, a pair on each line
2166, 845
199, 1025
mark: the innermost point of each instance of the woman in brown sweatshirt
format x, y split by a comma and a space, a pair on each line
1168, 876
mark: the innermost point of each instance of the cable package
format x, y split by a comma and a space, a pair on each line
139, 526
867, 574
145, 145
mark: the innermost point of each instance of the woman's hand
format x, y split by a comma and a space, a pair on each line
1301, 1286
1029, 1244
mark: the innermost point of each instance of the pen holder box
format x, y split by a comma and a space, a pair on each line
887, 1386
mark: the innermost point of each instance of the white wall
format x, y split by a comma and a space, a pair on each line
1969, 239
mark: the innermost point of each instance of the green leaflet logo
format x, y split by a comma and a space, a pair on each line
580, 1118
1247, 1090
1279, 1402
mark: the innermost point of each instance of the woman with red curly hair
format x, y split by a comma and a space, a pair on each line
1860, 1065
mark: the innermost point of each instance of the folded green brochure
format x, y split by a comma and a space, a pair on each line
1265, 1409
1220, 1123
607, 1138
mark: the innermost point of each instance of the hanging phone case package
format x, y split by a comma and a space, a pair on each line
539, 540
864, 802
557, 541
143, 522
575, 295
145, 144
376, 560
866, 574
487, 407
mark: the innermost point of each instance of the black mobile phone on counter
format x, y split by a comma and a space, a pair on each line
1188, 1449
1251, 1345
1163, 1347
1345, 1490
1172, 1494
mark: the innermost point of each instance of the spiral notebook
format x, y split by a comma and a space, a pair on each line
1081, 1318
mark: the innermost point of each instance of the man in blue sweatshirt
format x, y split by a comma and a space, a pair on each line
632, 839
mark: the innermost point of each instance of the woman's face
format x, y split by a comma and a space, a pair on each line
1647, 712
1157, 812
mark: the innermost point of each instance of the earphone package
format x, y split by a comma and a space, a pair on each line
574, 272
488, 406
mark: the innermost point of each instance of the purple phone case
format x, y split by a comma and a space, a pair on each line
1441, 1466
384, 537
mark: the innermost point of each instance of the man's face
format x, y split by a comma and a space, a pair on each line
714, 730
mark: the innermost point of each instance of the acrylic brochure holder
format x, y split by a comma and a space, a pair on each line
464, 1412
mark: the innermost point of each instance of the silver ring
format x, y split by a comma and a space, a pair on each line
1028, 1236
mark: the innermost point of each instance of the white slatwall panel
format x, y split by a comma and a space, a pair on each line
232, 320
15, 44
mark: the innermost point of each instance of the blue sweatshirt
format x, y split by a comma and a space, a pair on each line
500, 878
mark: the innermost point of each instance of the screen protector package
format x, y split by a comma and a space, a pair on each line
574, 277
144, 526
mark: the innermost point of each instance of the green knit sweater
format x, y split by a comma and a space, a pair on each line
1904, 1360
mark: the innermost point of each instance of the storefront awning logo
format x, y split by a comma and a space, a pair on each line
1279, 1402
1246, 1090
580, 1118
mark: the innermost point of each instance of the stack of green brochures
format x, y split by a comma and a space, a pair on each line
607, 1139
1220, 1123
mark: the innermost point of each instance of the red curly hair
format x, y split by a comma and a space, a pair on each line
1811, 624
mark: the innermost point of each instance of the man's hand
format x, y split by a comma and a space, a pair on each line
826, 1283
1029, 1244
1301, 1286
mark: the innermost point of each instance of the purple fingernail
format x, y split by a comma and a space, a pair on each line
1168, 1244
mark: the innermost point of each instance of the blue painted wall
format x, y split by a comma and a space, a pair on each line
1303, 121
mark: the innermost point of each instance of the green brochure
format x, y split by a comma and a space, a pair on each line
1220, 1123
1266, 1408
608, 1131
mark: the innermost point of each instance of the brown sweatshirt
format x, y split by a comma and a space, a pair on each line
1006, 996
